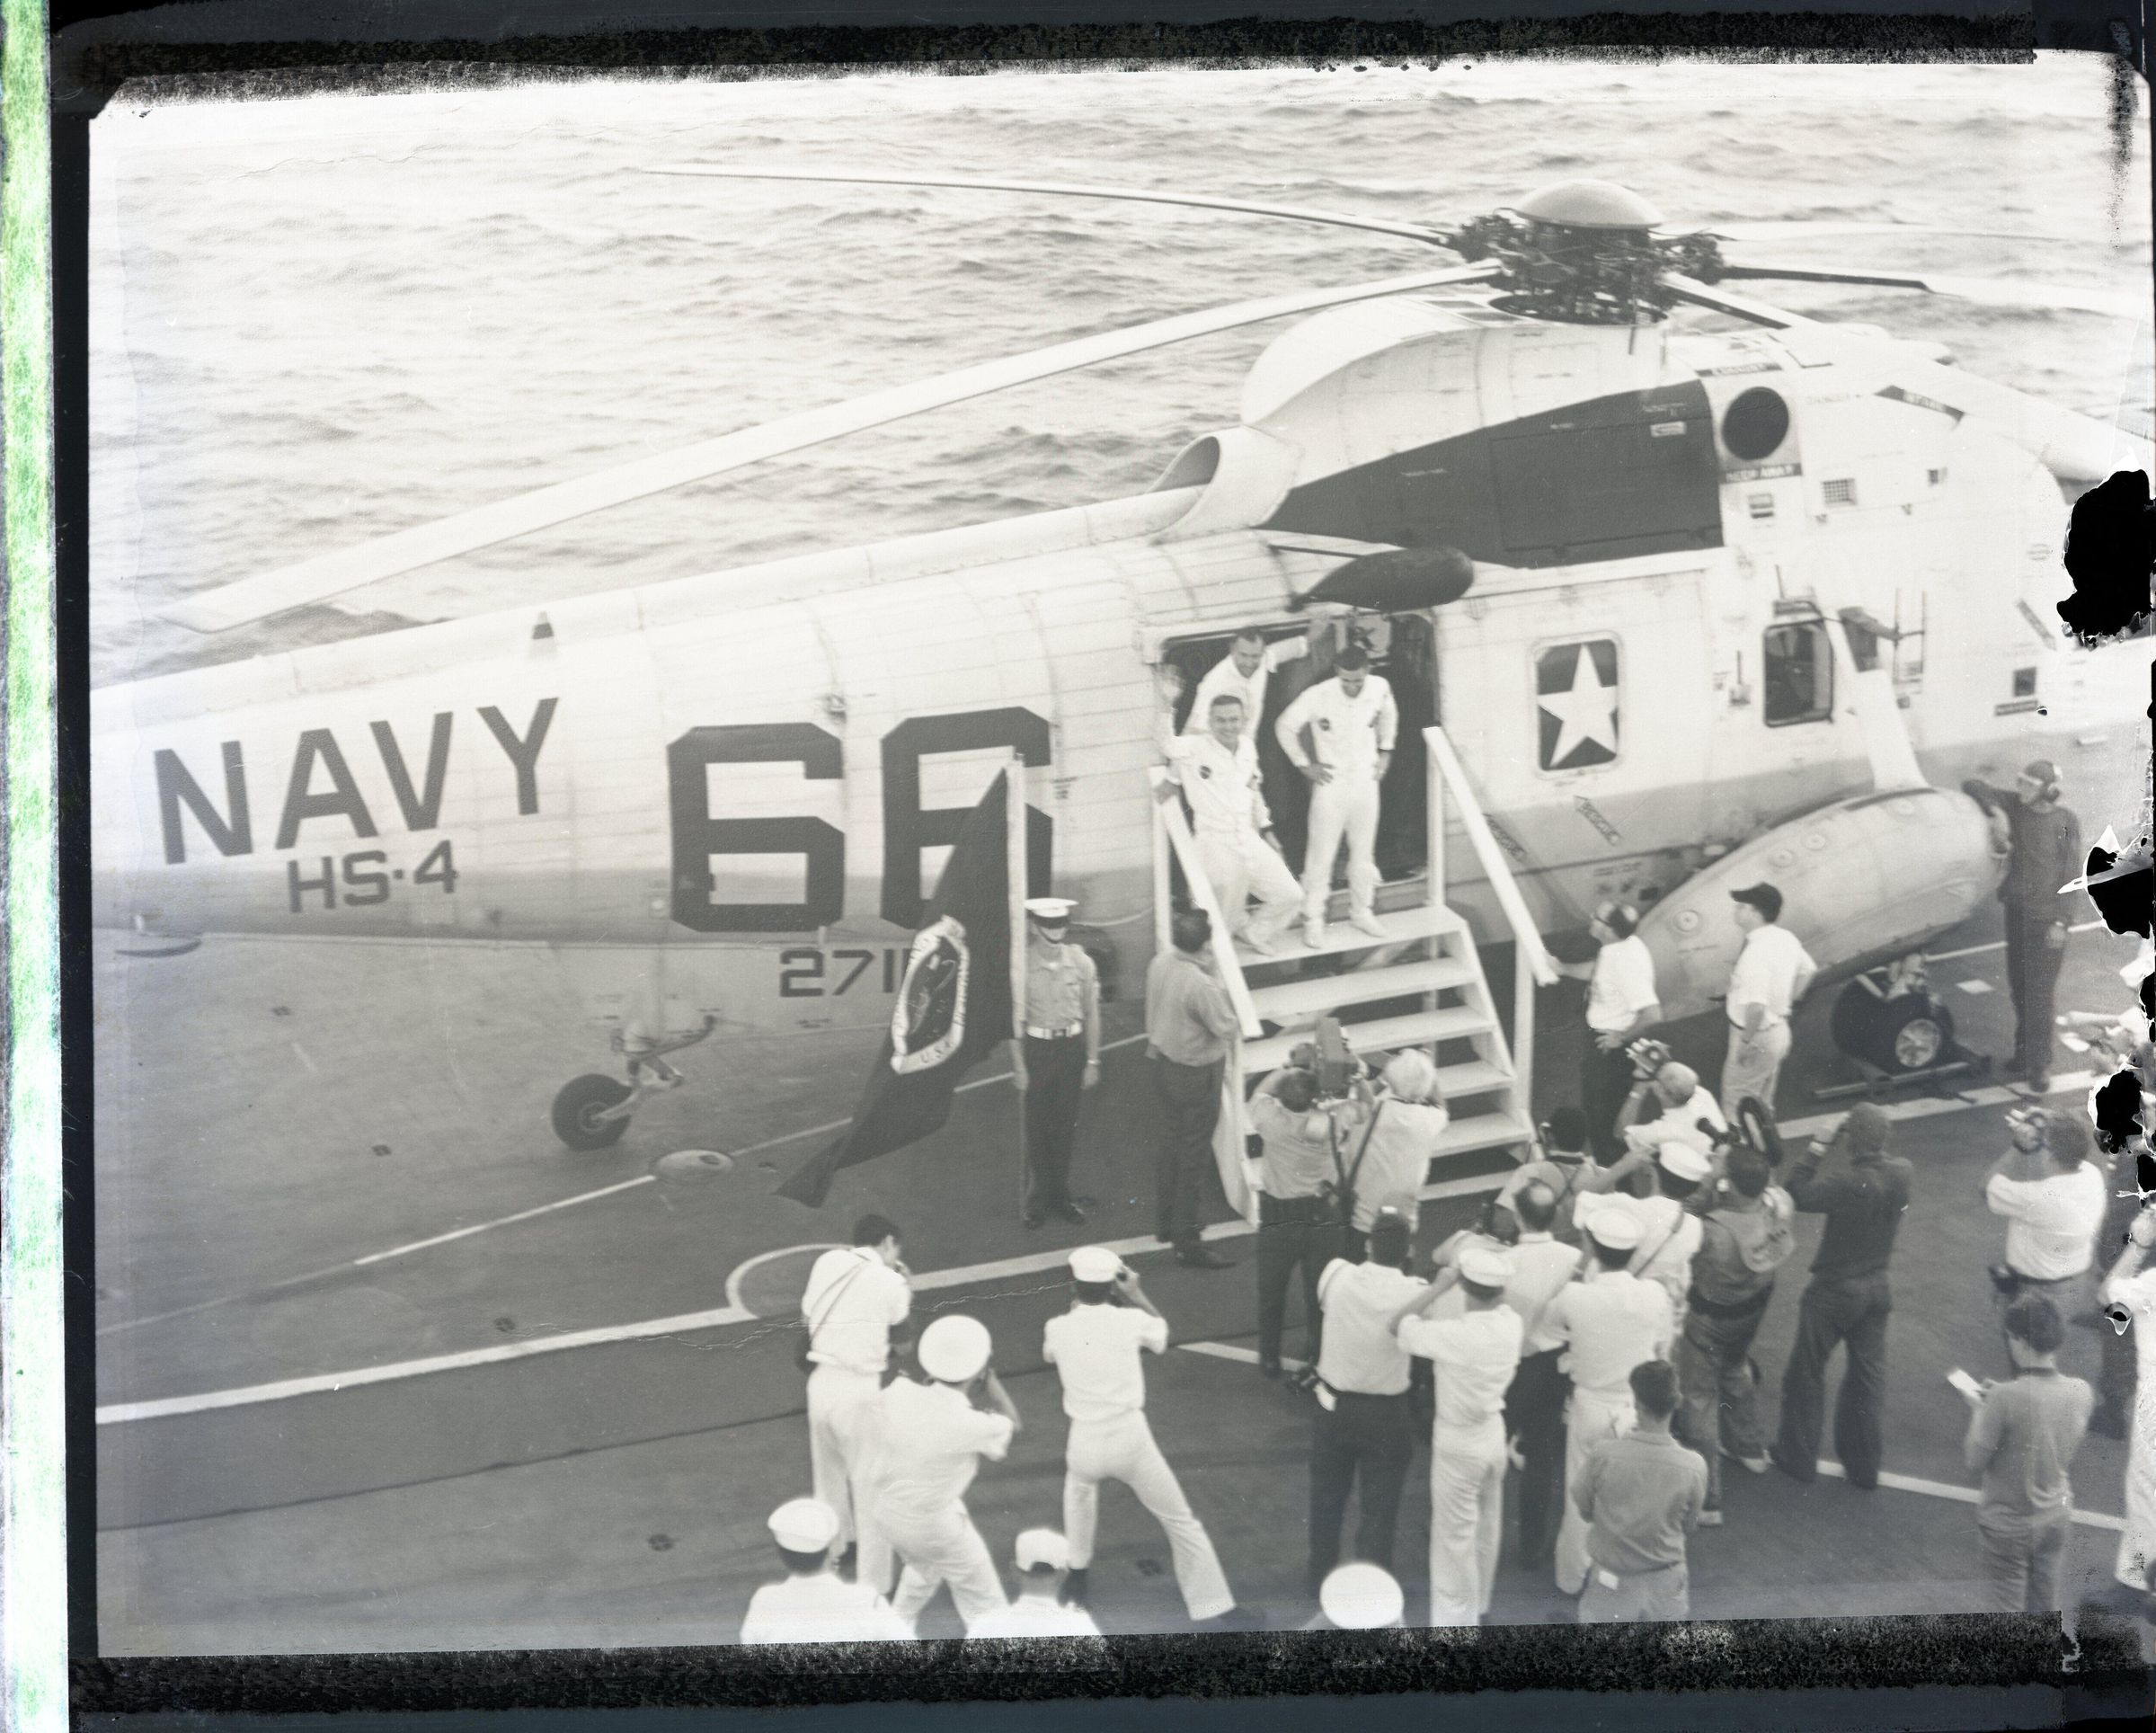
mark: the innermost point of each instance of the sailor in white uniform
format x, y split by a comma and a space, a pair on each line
1352, 723
1043, 1560
1244, 672
813, 1605
1218, 774
935, 1436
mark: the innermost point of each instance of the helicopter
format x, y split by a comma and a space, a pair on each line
1689, 606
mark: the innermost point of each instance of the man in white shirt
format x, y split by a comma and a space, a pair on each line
2129, 1295
1622, 1005
1670, 1232
1095, 1348
1772, 973
935, 1436
1534, 1406
811, 1604
1474, 1355
1043, 1560
855, 1297
1364, 1430
2054, 1198
1606, 1324
1352, 723
1218, 773
1391, 1151
1244, 672
1684, 1101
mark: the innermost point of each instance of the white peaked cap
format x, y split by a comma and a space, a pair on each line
1361, 1597
1095, 1264
953, 1349
1487, 1265
1039, 1548
804, 1525
1050, 908
1618, 1228
1684, 1161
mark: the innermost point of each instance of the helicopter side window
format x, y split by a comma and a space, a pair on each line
1798, 674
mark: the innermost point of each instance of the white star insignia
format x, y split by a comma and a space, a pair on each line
1588, 711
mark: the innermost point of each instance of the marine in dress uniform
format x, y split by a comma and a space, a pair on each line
2043, 853
1062, 1053
1772, 970
935, 1437
1352, 723
813, 1605
855, 1296
1607, 1323
1244, 672
1218, 774
1476, 1355
1095, 1348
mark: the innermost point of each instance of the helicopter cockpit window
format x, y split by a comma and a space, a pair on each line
1798, 680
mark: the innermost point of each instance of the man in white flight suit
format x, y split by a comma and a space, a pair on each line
935, 1436
1244, 672
1352, 723
1095, 1348
1218, 774
812, 1605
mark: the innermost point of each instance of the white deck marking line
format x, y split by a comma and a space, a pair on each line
1960, 1495
302, 1054
734, 1281
1998, 945
1246, 1357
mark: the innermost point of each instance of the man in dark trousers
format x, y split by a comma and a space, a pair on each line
1298, 1226
1862, 1192
1534, 1407
1189, 1024
2045, 852
1364, 1430
1062, 1053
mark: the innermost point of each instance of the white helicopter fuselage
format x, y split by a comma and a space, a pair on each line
729, 797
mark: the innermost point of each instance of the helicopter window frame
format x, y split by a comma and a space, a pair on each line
1536, 651
1774, 662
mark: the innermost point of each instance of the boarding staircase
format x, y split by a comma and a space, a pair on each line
1422, 985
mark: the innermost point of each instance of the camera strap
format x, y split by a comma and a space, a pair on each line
1346, 1177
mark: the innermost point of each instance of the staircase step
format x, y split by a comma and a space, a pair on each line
1380, 1035
1478, 1078
1400, 925
1484, 1130
1285, 1001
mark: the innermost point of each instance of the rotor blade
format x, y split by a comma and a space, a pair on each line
1798, 231
333, 575
1981, 290
1294, 213
1690, 288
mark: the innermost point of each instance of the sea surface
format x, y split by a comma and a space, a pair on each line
317, 321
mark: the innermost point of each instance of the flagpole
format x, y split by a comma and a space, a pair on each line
1015, 856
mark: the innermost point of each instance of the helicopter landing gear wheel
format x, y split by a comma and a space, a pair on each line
1908, 1032
583, 1115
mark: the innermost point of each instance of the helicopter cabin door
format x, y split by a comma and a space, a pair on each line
1402, 649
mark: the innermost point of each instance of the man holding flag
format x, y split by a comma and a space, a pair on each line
955, 1002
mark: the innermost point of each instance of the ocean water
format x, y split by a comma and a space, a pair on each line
317, 321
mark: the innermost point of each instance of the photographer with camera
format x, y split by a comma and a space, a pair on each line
1298, 1218
1094, 1348
1407, 1116
1686, 1112
2051, 1195
1559, 1168
935, 1437
1674, 1173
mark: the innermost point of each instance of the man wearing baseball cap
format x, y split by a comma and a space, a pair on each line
1062, 1054
1772, 972
1043, 1560
1607, 1323
1474, 1355
811, 1604
1094, 1348
935, 1436
2044, 853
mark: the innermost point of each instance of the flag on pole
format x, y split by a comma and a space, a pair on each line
953, 1005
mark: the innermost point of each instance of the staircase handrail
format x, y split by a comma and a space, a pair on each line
1171, 821
1494, 868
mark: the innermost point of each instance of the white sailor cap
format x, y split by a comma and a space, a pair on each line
804, 1525
1041, 1549
953, 1349
1618, 1227
1361, 1597
1683, 1160
1095, 1264
1050, 908
1488, 1266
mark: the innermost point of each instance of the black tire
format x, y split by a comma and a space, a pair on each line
577, 1108
1911, 1032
